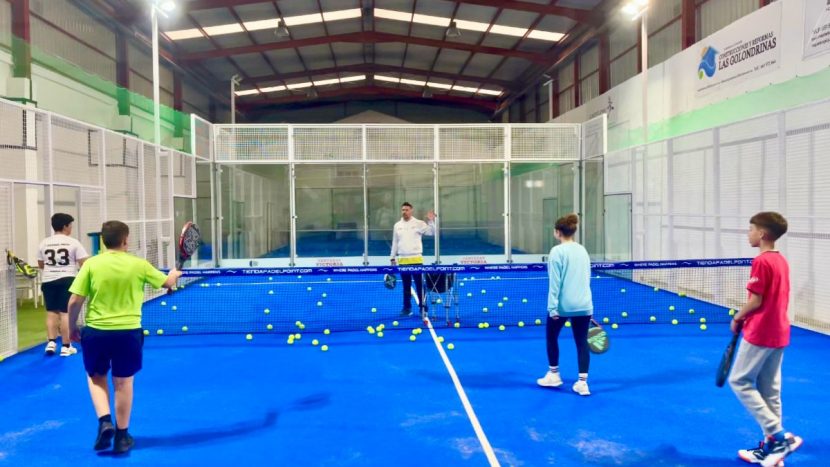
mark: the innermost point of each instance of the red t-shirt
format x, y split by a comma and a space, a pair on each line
769, 326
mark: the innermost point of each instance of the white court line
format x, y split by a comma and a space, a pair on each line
482, 438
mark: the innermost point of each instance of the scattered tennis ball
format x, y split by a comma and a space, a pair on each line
380, 327
457, 325
702, 327
298, 323
315, 342
691, 311
524, 300
615, 326
146, 332
702, 320
370, 329
163, 303
380, 334
326, 331
501, 304
290, 341
269, 327
538, 322
412, 337
731, 312
450, 346
218, 284
324, 348
270, 292
319, 303
298, 336
652, 319
440, 338
174, 308
394, 323
567, 324
308, 288
374, 310
481, 325
249, 337
184, 328
267, 311
469, 294
325, 295
328, 279
682, 294
299, 277
625, 314
302, 326
674, 321
521, 324
486, 325
270, 278
657, 289
160, 332
483, 291
504, 299
502, 328
606, 320
622, 290
485, 309
439, 301
671, 308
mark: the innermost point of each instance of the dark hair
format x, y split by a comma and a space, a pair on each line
567, 225
770, 222
114, 233
61, 220
406, 203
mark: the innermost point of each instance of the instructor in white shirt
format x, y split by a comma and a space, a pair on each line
407, 250
59, 256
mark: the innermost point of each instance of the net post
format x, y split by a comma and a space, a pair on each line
95, 242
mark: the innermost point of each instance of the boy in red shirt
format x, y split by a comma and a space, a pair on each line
756, 373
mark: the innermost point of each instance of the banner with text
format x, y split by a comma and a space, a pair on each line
816, 27
742, 50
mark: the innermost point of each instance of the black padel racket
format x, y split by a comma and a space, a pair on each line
726, 362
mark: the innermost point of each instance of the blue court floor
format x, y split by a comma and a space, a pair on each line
222, 400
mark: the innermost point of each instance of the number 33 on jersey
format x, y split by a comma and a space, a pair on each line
60, 255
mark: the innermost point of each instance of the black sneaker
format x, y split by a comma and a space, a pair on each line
406, 312
753, 456
123, 444
776, 451
105, 433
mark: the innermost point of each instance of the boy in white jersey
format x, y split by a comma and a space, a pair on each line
59, 256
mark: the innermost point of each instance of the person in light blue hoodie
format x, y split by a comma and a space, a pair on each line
569, 298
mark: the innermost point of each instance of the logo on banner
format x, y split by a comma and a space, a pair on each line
708, 66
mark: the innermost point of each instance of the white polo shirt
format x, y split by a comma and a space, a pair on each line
60, 255
406, 237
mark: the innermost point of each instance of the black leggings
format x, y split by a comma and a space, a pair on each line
407, 289
580, 325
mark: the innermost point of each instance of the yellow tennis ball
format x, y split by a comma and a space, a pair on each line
160, 332
315, 342
450, 346
308, 289
319, 303
504, 299
731, 312
502, 328
485, 309
538, 322
325, 295
302, 326
249, 337
682, 294
297, 323
521, 324
702, 327
269, 327
439, 301
326, 331
501, 304
412, 338
394, 323
567, 324
298, 336
614, 326
483, 291
290, 341
652, 318
702, 320
440, 338
671, 308
486, 325
457, 325
370, 329
674, 321
691, 311
625, 314
266, 311
146, 332
380, 334
174, 308
184, 328
469, 294
374, 310
622, 290
524, 300
163, 303
657, 289
270, 292
606, 320
324, 348
481, 325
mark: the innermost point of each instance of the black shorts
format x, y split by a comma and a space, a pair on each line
120, 350
56, 294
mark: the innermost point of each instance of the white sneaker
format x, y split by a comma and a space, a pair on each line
581, 388
551, 380
67, 351
51, 347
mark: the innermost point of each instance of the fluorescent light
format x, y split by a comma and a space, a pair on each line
464, 88
272, 89
223, 29
326, 82
183, 34
431, 20
508, 30
439, 85
342, 14
489, 92
303, 19
247, 92
167, 5
413, 82
299, 85
545, 35
472, 25
387, 78
262, 24
349, 79
392, 14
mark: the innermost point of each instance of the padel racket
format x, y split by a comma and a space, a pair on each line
389, 281
21, 266
598, 341
726, 362
189, 242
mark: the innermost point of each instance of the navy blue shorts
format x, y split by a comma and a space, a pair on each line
56, 294
121, 350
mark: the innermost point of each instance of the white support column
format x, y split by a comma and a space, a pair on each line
292, 197
671, 251
717, 191
508, 146
436, 193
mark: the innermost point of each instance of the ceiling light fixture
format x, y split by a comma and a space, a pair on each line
453, 30
282, 30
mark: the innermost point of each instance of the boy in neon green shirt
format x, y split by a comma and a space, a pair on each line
113, 282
